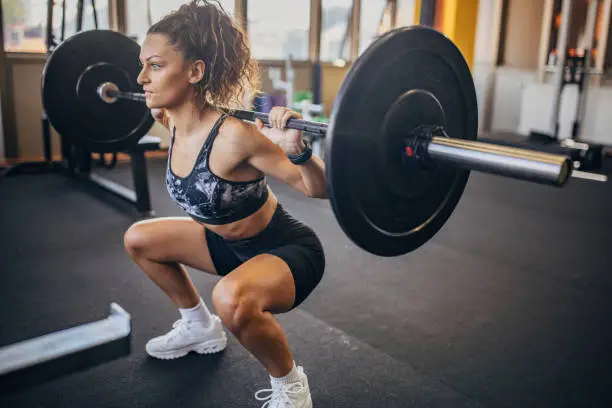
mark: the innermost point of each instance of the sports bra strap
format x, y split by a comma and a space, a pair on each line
214, 131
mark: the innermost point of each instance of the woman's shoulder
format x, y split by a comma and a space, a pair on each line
237, 126
237, 131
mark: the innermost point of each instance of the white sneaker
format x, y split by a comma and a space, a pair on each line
294, 395
187, 336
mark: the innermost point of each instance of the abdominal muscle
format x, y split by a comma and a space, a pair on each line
250, 226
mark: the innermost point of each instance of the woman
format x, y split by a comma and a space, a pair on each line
193, 61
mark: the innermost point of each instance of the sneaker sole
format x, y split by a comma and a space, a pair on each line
207, 347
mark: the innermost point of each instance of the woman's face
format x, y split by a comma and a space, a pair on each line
167, 79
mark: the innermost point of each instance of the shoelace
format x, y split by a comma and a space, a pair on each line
177, 327
279, 395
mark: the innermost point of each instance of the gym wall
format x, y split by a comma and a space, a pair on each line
522, 39
485, 57
519, 63
26, 78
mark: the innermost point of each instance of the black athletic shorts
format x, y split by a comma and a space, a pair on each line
285, 237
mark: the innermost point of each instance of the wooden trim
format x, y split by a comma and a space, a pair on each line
316, 18
503, 32
117, 16
439, 15
545, 38
241, 15
122, 16
603, 35
498, 32
113, 21
393, 11
500, 6
355, 29
35, 58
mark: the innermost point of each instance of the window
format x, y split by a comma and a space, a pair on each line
25, 22
279, 29
335, 29
577, 36
141, 15
371, 24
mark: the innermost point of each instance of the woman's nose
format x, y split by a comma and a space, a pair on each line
141, 79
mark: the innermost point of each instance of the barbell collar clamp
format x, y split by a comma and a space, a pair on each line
430, 143
108, 92
415, 147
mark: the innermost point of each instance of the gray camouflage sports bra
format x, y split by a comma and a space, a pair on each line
208, 198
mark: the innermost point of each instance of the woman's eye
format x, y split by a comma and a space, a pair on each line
155, 66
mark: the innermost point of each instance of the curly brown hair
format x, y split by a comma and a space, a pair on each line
203, 30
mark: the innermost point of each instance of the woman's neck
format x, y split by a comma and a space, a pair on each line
187, 118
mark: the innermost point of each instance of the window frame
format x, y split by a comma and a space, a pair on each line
314, 34
117, 19
546, 35
314, 46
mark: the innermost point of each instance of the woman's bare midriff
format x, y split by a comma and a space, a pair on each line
250, 226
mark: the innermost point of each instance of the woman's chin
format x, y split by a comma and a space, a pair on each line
152, 104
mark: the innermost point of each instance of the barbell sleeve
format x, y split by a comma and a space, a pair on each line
511, 162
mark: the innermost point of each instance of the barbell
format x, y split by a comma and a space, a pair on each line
400, 144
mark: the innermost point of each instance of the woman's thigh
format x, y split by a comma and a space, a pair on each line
265, 280
278, 280
171, 239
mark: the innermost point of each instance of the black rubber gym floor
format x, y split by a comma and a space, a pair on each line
508, 306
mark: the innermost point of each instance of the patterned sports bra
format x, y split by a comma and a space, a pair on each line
208, 198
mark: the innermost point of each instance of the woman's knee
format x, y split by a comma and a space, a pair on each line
136, 240
235, 304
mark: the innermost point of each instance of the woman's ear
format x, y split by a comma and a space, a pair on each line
196, 73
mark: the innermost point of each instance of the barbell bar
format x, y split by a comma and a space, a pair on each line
506, 161
394, 174
523, 164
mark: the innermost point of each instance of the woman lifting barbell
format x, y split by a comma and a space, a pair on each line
193, 60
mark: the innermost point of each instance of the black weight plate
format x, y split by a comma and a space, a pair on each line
386, 208
69, 82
